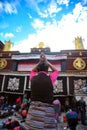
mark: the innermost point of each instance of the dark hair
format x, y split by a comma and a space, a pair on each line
42, 66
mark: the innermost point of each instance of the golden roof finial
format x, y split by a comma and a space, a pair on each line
8, 46
79, 43
41, 45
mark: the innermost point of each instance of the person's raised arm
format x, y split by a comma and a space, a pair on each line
33, 72
52, 67
43, 58
35, 68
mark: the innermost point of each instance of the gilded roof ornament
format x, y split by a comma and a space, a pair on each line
41, 45
79, 43
8, 46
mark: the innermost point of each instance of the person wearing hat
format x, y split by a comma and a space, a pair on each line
41, 114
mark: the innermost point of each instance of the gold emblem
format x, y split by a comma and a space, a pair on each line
79, 64
3, 63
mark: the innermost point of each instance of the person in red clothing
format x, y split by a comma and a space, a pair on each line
41, 114
18, 103
18, 100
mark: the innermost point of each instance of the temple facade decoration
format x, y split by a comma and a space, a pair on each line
3, 63
14, 84
79, 63
15, 68
41, 47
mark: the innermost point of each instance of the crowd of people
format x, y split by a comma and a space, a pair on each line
76, 111
14, 113
11, 124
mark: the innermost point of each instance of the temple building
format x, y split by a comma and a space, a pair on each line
1, 46
15, 68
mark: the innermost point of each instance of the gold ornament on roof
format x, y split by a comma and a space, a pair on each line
41, 45
79, 43
8, 46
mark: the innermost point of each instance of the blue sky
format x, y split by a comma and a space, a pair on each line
54, 22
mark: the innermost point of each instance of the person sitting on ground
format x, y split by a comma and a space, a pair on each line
7, 123
11, 124
15, 124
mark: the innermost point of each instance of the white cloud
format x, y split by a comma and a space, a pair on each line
80, 13
66, 2
53, 9
9, 35
32, 4
38, 24
59, 35
10, 8
6, 35
43, 14
50, 9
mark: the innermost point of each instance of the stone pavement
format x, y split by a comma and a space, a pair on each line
81, 127
61, 125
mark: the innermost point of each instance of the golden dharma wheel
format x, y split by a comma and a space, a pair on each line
3, 63
79, 63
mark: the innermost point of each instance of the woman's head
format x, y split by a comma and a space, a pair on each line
42, 57
42, 66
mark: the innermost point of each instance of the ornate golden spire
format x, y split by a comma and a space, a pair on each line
41, 45
8, 46
79, 43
